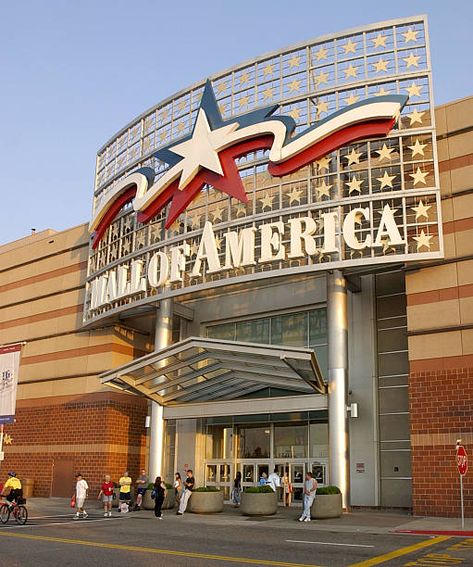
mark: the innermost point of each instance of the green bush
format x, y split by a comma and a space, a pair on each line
258, 489
328, 490
206, 489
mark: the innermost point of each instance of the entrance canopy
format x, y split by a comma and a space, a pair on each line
199, 369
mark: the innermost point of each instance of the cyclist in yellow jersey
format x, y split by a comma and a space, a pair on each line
14, 484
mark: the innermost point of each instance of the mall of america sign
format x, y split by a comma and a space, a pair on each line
320, 157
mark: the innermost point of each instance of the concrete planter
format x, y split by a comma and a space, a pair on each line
206, 502
326, 506
259, 504
168, 504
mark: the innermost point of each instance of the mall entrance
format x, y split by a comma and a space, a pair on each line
255, 445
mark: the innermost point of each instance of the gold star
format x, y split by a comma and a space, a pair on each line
354, 185
417, 148
353, 157
381, 65
162, 135
244, 100
240, 209
294, 61
294, 86
415, 116
379, 40
321, 78
349, 47
359, 218
321, 54
218, 242
381, 92
352, 99
295, 113
146, 144
194, 248
245, 77
386, 244
222, 107
421, 210
323, 190
175, 226
7, 439
268, 70
181, 105
414, 90
222, 87
294, 195
412, 60
350, 71
384, 153
419, 176
266, 201
180, 127
268, 93
323, 163
322, 106
423, 240
410, 35
217, 213
386, 180
195, 221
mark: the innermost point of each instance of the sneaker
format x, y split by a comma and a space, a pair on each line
160, 517
306, 519
179, 513
105, 515
76, 517
109, 514
85, 515
302, 519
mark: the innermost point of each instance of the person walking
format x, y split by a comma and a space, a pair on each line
125, 492
82, 489
236, 491
188, 488
141, 486
263, 479
106, 493
159, 492
287, 489
274, 480
178, 488
310, 488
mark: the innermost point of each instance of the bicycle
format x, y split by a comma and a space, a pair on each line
20, 513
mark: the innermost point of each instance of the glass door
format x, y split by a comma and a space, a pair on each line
220, 475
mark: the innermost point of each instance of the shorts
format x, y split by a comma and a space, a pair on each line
124, 496
106, 499
80, 501
141, 491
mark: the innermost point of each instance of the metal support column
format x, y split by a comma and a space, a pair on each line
162, 339
337, 315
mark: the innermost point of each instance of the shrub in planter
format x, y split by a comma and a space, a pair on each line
169, 499
259, 501
327, 503
206, 500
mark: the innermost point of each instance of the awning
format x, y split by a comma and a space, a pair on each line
199, 369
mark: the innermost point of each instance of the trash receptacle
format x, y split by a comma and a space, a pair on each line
27, 484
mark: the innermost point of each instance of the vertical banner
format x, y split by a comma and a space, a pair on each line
9, 369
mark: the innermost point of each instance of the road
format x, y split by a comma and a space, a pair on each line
202, 541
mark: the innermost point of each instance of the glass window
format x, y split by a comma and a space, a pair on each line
289, 330
317, 327
248, 473
226, 332
254, 442
318, 438
290, 441
256, 331
219, 442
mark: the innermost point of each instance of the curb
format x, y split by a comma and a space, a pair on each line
459, 533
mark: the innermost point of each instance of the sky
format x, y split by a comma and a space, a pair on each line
72, 73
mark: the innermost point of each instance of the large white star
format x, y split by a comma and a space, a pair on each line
201, 150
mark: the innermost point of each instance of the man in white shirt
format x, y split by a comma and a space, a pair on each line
273, 480
81, 494
310, 488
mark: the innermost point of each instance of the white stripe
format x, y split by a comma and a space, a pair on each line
328, 543
82, 520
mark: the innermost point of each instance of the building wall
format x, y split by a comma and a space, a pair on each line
64, 414
440, 327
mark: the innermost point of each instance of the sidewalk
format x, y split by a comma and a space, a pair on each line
375, 522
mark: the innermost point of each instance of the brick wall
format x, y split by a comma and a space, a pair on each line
102, 434
441, 405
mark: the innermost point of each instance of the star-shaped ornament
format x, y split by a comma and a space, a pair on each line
414, 90
294, 196
268, 70
244, 78
415, 117
221, 88
353, 157
243, 101
379, 41
294, 61
321, 78
294, 86
419, 176
381, 65
323, 190
194, 248
354, 185
410, 35
352, 99
421, 210
417, 148
387, 245
266, 201
323, 163
295, 113
381, 92
7, 439
217, 213
349, 47
386, 180
412, 60
322, 106
240, 209
423, 241
350, 71
322, 53
385, 153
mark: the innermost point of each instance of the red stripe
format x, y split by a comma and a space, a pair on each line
112, 212
11, 348
349, 134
